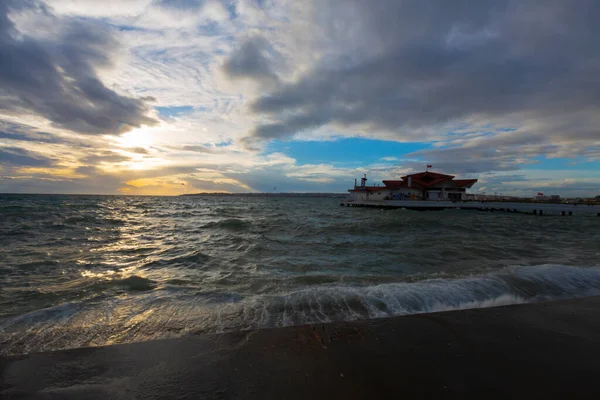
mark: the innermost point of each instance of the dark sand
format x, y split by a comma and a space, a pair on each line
545, 350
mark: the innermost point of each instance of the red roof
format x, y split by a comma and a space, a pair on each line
464, 182
427, 178
421, 180
395, 184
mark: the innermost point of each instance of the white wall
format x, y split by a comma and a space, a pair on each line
379, 195
406, 191
433, 195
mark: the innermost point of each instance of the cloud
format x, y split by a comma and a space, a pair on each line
104, 157
451, 75
254, 60
106, 8
25, 133
199, 149
273, 179
56, 76
18, 157
216, 185
531, 182
402, 68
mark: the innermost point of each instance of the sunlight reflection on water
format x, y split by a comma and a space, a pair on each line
92, 270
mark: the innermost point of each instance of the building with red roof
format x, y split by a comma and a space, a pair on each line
420, 186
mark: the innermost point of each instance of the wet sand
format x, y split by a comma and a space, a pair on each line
544, 350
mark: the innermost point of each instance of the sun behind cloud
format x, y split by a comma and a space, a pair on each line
140, 137
264, 94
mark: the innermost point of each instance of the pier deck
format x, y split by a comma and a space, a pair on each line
516, 207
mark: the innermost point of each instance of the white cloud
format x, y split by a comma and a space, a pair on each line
100, 9
336, 57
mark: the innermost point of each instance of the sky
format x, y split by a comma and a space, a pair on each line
166, 97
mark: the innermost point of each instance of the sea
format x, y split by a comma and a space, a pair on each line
80, 271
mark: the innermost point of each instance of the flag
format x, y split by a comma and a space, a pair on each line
540, 194
429, 166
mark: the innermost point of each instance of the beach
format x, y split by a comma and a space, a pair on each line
544, 350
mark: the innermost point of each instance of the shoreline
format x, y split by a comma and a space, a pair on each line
535, 350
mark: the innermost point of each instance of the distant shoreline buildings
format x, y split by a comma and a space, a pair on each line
424, 186
419, 186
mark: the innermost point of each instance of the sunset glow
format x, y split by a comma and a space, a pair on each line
244, 96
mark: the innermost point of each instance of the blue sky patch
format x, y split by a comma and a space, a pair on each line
167, 112
356, 151
572, 164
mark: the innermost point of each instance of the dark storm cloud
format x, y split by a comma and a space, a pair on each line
252, 60
415, 64
39, 137
479, 158
27, 133
56, 78
17, 157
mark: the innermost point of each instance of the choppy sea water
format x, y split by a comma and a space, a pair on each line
93, 270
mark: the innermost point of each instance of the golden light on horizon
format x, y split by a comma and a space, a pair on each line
154, 186
63, 172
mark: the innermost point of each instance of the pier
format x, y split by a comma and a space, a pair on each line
500, 206
429, 191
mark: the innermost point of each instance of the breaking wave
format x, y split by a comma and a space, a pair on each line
95, 270
160, 313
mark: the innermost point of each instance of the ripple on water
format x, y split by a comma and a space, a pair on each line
161, 267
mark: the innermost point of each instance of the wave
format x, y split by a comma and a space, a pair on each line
234, 224
334, 302
135, 283
189, 259
152, 314
91, 219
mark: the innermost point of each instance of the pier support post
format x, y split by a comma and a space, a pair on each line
534, 212
570, 212
563, 213
541, 212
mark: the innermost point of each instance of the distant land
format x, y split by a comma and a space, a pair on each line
471, 197
332, 195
